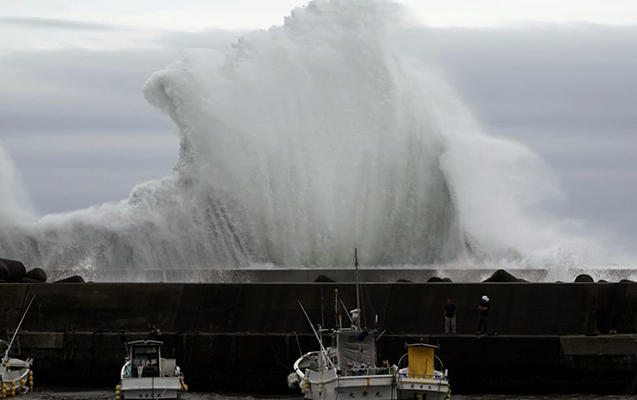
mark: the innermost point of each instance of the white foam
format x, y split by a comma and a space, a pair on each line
309, 139
14, 203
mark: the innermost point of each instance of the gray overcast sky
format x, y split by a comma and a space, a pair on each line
233, 14
556, 75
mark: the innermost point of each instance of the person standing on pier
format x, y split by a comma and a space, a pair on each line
450, 317
483, 314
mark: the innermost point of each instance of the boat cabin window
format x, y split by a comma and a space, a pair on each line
145, 359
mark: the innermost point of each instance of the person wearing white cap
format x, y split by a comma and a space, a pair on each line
483, 317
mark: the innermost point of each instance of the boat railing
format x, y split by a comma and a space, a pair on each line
442, 366
433, 377
12, 351
438, 368
365, 370
371, 371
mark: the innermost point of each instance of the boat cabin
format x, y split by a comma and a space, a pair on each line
145, 358
422, 362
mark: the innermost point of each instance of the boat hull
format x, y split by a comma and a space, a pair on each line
326, 385
423, 389
16, 375
150, 388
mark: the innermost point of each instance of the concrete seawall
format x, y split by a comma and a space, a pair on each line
245, 337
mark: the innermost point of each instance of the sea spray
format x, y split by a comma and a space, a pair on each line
308, 139
14, 203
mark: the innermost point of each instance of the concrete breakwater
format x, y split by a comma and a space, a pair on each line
244, 337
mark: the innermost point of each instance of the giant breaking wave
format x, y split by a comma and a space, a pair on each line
306, 140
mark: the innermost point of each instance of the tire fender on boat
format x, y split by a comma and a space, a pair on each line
306, 386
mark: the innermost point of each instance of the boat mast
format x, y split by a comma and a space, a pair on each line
337, 315
6, 353
358, 296
323, 350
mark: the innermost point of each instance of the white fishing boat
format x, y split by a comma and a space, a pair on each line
147, 375
348, 369
16, 376
424, 377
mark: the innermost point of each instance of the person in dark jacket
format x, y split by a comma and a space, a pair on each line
450, 316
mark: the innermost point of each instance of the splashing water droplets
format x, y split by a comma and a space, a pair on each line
307, 139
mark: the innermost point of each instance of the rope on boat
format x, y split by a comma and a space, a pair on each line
192, 345
212, 352
276, 355
234, 350
68, 356
6, 354
287, 344
91, 356
37, 303
630, 389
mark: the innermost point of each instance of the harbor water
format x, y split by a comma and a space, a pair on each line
109, 395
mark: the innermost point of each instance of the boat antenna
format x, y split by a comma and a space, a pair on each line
336, 315
322, 309
358, 295
6, 353
351, 321
317, 336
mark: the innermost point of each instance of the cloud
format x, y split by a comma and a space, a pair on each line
55, 23
76, 124
67, 172
75, 90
